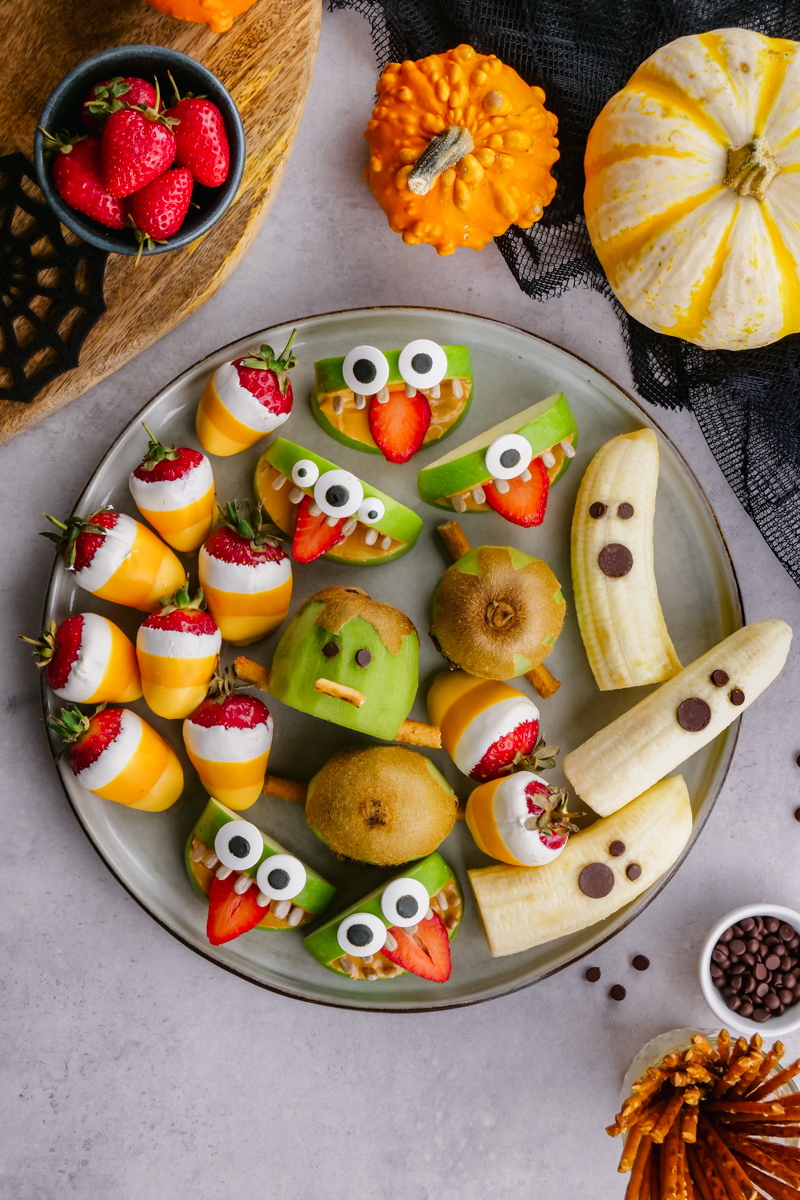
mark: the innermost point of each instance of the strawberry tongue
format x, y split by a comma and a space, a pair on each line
425, 953
229, 914
399, 426
524, 503
313, 536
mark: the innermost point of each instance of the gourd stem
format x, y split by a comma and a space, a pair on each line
751, 169
441, 152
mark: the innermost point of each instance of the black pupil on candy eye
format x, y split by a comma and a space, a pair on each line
372, 515
509, 458
421, 363
337, 495
364, 370
239, 846
302, 472
359, 935
407, 906
278, 879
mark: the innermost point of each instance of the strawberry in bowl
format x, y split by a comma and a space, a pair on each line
228, 738
88, 660
173, 488
245, 574
178, 650
246, 399
520, 819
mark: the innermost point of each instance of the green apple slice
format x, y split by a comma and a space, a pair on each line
398, 522
313, 899
547, 426
350, 425
434, 874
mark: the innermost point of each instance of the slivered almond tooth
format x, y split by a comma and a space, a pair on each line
349, 527
435, 392
501, 485
548, 458
243, 883
282, 909
371, 537
459, 504
411, 929
390, 943
411, 391
525, 476
210, 860
370, 974
429, 914
367, 958
479, 495
383, 396
278, 482
386, 542
361, 401
296, 495
458, 389
337, 405
262, 901
199, 851
346, 964
314, 509
222, 872
332, 522
568, 448
440, 896
296, 916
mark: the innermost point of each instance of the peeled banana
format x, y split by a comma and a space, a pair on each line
616, 598
521, 907
679, 718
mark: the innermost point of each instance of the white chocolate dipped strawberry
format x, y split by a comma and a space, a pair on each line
178, 650
228, 739
245, 574
118, 559
246, 399
173, 488
88, 660
487, 726
115, 754
520, 819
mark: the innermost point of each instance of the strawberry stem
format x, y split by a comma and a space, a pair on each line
72, 723
224, 684
541, 758
45, 644
249, 523
265, 359
106, 98
60, 143
71, 530
181, 601
157, 452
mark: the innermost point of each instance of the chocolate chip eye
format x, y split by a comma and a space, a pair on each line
693, 714
361, 933
281, 877
598, 510
363, 658
338, 493
508, 456
238, 845
305, 473
404, 902
365, 370
331, 649
422, 363
625, 511
719, 678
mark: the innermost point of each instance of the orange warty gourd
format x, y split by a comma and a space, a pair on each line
460, 149
216, 14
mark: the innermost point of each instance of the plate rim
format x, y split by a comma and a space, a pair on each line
658, 887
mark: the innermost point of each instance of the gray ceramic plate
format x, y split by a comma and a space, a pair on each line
512, 370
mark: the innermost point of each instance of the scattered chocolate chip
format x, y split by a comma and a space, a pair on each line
616, 849
615, 560
331, 649
736, 697
641, 962
719, 678
625, 511
597, 510
797, 814
363, 658
593, 974
617, 992
596, 880
797, 760
633, 871
693, 714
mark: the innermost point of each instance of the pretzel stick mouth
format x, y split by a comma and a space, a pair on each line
340, 691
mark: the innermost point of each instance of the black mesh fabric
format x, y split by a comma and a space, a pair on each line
581, 52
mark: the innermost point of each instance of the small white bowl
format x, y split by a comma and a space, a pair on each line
775, 1026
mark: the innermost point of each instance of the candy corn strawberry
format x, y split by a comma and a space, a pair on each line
110, 95
78, 179
399, 424
520, 819
115, 754
138, 145
201, 139
487, 726
245, 574
228, 739
118, 559
245, 399
88, 660
178, 650
173, 487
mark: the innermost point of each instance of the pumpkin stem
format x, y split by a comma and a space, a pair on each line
441, 152
751, 169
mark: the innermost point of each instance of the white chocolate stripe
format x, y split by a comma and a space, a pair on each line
167, 495
217, 743
116, 756
87, 671
177, 643
493, 723
110, 554
241, 577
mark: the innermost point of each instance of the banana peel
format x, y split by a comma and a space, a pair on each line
522, 907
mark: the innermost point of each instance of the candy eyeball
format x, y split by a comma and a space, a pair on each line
371, 510
361, 933
338, 493
238, 845
281, 877
508, 456
423, 363
405, 902
365, 370
305, 473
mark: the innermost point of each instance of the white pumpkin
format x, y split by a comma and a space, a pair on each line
692, 194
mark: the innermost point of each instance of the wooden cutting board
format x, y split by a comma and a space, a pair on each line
265, 61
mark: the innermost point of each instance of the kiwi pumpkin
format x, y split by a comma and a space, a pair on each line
460, 149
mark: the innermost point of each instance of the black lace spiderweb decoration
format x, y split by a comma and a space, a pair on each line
51, 287
581, 52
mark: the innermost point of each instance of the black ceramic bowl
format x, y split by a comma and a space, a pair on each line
63, 111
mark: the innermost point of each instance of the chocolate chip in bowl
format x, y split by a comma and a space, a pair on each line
750, 968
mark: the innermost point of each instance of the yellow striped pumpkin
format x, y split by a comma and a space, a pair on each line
692, 194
